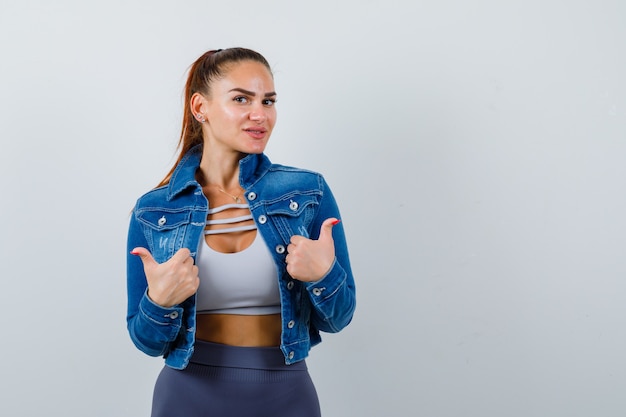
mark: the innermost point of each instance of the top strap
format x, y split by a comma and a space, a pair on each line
219, 209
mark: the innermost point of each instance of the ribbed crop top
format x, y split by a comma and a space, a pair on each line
243, 282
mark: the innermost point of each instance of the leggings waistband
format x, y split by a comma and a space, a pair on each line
268, 358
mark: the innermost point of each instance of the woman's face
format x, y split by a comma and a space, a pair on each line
240, 112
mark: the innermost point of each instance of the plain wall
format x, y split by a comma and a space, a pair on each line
476, 150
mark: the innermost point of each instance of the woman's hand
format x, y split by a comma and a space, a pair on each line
171, 282
309, 260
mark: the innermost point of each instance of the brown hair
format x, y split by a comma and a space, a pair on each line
211, 66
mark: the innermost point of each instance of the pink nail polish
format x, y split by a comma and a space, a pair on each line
335, 222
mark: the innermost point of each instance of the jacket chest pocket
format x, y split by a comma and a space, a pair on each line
165, 231
293, 215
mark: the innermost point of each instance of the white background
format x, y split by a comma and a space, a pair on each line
476, 148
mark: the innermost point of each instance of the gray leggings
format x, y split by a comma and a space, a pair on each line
229, 381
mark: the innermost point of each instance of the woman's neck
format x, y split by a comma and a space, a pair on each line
220, 168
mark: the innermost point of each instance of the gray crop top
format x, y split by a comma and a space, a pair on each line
237, 283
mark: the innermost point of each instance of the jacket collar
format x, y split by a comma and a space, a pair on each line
251, 168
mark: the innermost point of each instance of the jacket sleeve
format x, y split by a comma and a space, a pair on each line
334, 296
151, 327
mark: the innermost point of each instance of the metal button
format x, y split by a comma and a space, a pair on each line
291, 355
173, 315
262, 219
280, 249
317, 291
290, 285
251, 196
162, 221
291, 324
293, 205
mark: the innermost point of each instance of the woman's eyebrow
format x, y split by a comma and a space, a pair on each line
251, 93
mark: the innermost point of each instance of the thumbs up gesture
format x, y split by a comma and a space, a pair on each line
309, 260
171, 282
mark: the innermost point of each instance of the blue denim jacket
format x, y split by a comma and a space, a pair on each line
284, 201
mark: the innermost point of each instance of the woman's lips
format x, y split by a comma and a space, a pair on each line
256, 132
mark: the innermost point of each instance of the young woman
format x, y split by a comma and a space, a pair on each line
235, 264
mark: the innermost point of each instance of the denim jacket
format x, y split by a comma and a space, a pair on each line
284, 201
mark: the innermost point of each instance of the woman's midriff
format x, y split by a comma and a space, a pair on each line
239, 330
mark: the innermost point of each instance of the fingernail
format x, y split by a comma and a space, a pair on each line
134, 252
335, 222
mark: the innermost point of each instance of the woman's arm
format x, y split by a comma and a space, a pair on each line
331, 291
151, 326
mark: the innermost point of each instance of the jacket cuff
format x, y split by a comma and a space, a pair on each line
330, 283
161, 316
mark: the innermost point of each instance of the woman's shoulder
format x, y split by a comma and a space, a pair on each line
155, 197
258, 169
292, 174
280, 180
289, 170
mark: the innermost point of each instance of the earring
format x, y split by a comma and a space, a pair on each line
200, 118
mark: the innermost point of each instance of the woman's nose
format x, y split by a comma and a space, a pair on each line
258, 114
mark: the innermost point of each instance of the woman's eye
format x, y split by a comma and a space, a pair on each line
241, 99
269, 102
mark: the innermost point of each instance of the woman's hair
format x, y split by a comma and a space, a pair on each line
211, 66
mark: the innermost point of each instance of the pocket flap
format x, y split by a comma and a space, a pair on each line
292, 206
164, 220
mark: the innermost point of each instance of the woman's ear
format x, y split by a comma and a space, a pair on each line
198, 105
